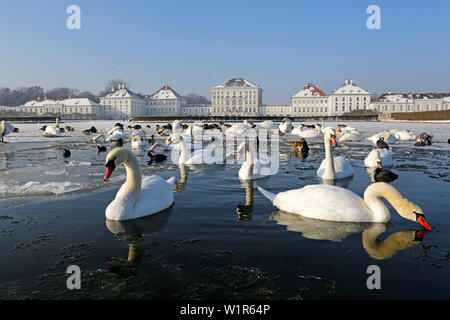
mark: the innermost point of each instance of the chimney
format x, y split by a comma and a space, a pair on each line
351, 81
389, 92
346, 81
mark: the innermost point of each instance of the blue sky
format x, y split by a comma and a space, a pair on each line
193, 45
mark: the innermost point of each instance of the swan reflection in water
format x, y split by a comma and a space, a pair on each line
180, 184
245, 211
337, 231
133, 232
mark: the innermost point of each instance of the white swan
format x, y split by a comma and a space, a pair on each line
202, 156
378, 158
333, 168
286, 126
308, 133
52, 130
116, 135
388, 137
97, 138
253, 168
139, 196
327, 202
138, 132
138, 142
350, 135
6, 128
238, 129
403, 135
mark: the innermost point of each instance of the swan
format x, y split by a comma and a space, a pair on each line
350, 135
333, 168
309, 133
202, 156
376, 137
327, 202
389, 138
381, 175
97, 138
116, 135
404, 135
138, 142
140, 133
238, 129
6, 128
115, 128
139, 196
378, 158
253, 168
52, 130
286, 126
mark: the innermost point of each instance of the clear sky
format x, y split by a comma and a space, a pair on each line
193, 45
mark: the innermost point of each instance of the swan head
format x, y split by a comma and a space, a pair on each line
412, 212
377, 159
331, 135
174, 138
115, 158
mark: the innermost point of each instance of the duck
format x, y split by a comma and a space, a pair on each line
52, 130
117, 143
381, 175
378, 157
6, 129
381, 144
331, 203
139, 196
66, 153
333, 168
424, 139
159, 157
252, 168
300, 146
101, 149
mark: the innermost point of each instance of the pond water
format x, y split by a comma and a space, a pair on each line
53, 216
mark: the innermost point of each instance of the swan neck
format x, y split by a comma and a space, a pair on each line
134, 176
373, 195
329, 163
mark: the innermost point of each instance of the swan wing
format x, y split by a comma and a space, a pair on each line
324, 202
156, 195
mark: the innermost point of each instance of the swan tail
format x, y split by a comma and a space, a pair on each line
267, 194
171, 181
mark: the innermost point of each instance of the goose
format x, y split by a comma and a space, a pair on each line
252, 168
333, 168
66, 153
139, 196
6, 128
138, 142
202, 156
381, 144
381, 175
328, 202
52, 130
378, 157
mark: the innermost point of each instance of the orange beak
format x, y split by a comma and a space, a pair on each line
239, 156
109, 170
169, 142
421, 220
333, 140
379, 165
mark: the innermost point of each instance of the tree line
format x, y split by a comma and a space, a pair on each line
19, 96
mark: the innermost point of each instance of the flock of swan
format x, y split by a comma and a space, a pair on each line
142, 195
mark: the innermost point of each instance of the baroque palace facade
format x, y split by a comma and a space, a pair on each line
235, 97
